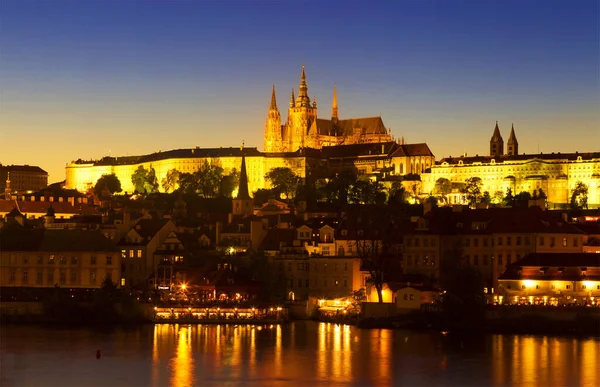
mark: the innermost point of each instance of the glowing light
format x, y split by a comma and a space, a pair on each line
528, 283
588, 284
183, 286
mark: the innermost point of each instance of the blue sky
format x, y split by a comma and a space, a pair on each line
80, 79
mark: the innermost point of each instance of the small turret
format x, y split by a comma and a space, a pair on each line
512, 146
7, 189
49, 217
292, 99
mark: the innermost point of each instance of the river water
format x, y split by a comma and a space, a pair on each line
297, 354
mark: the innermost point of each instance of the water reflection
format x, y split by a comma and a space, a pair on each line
304, 353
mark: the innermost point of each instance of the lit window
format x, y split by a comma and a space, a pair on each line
139, 253
130, 253
123, 253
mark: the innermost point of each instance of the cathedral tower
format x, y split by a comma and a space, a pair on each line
496, 143
300, 116
512, 146
273, 127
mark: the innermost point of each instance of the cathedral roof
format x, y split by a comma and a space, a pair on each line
368, 125
420, 149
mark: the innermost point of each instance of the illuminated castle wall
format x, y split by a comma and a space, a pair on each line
82, 175
555, 173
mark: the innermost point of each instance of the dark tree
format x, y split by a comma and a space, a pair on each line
509, 199
171, 182
579, 196
284, 180
377, 231
229, 183
366, 192
108, 183
443, 187
472, 190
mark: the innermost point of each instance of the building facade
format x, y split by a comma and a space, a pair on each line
17, 179
556, 174
42, 258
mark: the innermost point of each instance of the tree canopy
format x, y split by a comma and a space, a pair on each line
205, 182
171, 182
284, 181
472, 190
579, 196
144, 181
108, 183
442, 188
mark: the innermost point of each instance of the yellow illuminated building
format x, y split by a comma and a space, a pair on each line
555, 173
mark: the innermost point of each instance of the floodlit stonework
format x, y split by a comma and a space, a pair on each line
555, 173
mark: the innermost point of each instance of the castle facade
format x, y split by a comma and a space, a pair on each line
555, 173
303, 129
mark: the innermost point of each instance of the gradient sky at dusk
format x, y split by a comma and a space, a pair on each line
80, 79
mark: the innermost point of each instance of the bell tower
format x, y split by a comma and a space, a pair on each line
273, 139
496, 143
243, 203
512, 146
300, 116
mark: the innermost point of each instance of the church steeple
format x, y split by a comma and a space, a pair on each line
334, 105
273, 100
303, 100
512, 146
243, 187
243, 203
496, 143
7, 189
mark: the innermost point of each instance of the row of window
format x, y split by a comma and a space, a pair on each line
421, 261
52, 259
131, 253
306, 266
553, 287
334, 283
50, 278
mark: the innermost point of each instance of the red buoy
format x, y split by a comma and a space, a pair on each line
98, 354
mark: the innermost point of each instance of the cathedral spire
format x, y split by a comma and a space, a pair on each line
303, 99
292, 99
512, 143
334, 106
243, 187
273, 100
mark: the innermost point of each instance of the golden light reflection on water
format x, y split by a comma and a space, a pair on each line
182, 365
344, 354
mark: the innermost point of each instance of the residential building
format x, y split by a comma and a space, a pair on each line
138, 247
44, 258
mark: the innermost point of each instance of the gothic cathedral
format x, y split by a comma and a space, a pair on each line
304, 130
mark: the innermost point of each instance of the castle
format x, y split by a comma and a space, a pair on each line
557, 174
303, 129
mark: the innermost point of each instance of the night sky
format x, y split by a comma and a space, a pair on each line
82, 79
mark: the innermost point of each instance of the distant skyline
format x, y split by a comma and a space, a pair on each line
84, 79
